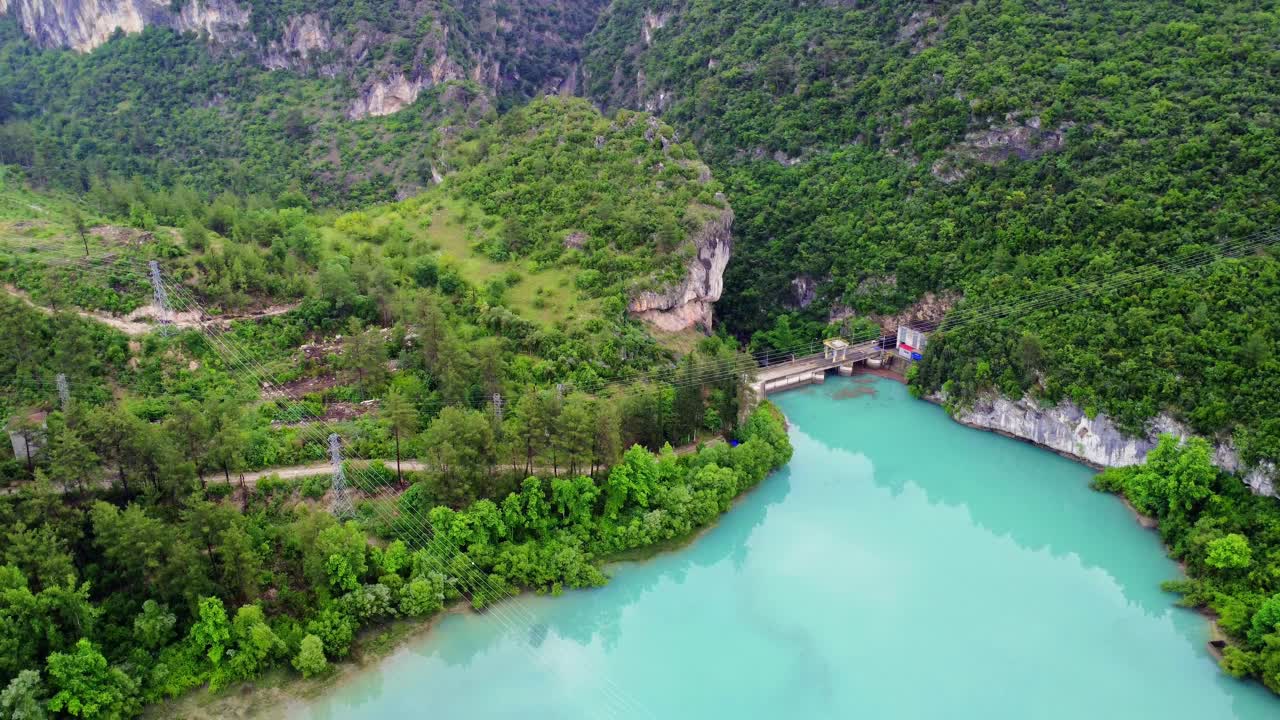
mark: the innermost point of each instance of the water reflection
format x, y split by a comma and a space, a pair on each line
995, 496
894, 569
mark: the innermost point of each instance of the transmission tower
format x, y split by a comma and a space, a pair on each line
341, 503
497, 406
161, 296
64, 393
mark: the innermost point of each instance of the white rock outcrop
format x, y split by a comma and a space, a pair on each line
653, 22
304, 36
85, 24
689, 304
1066, 429
392, 93
385, 96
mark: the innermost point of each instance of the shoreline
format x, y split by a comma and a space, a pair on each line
277, 693
283, 691
1216, 635
269, 699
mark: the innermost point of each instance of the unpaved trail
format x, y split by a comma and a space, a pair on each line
323, 468
142, 320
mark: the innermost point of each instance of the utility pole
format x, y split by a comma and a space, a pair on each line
341, 503
161, 296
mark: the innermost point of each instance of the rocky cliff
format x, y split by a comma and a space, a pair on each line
389, 52
688, 304
1066, 429
85, 24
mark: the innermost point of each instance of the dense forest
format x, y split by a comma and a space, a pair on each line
1084, 190
994, 152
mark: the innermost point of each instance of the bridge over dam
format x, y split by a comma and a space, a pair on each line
836, 355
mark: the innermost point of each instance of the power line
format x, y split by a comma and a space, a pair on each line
613, 694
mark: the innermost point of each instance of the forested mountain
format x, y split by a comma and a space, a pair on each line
469, 340
379, 200
992, 150
263, 96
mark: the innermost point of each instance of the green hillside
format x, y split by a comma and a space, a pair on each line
422, 223
1002, 152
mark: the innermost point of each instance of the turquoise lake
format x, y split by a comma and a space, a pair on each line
901, 566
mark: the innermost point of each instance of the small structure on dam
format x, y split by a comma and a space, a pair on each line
912, 340
837, 354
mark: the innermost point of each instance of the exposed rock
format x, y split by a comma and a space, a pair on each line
395, 91
1066, 429
921, 29
689, 304
85, 24
385, 95
528, 39
761, 153
575, 240
947, 171
304, 36
653, 22
805, 290
998, 143
930, 308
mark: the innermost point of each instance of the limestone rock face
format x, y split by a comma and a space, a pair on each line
304, 36
1066, 429
524, 48
85, 24
385, 96
689, 303
653, 22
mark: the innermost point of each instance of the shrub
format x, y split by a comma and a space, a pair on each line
310, 659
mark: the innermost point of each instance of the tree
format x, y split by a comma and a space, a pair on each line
71, 463
21, 699
574, 434
334, 283
460, 445
339, 557
395, 558
295, 125
154, 625
86, 686
227, 450
401, 420
525, 431
1230, 552
310, 660
205, 522
190, 427
66, 613
606, 440
633, 479
1184, 475
241, 563
81, 227
688, 403
117, 435
365, 358
335, 629
1265, 620
195, 235
256, 645
211, 634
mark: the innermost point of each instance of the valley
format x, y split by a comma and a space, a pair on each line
523, 251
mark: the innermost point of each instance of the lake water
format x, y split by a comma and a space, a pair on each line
902, 566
